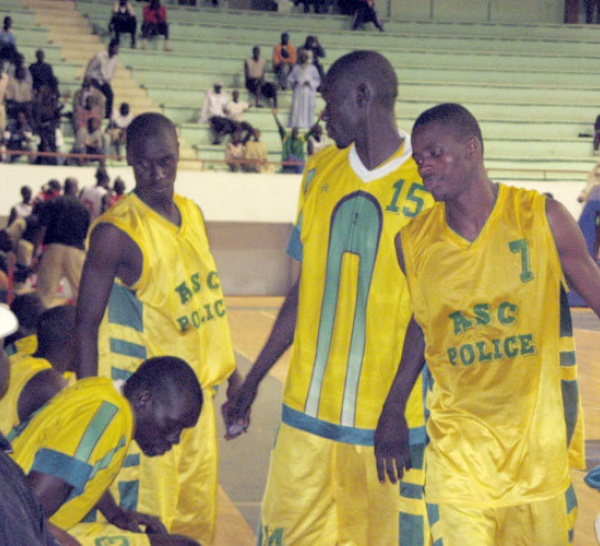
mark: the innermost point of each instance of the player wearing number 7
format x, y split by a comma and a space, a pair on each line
346, 316
488, 268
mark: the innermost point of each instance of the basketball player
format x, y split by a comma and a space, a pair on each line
346, 316
488, 268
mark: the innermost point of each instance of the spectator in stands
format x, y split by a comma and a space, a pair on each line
42, 73
593, 180
312, 44
592, 11
213, 112
23, 208
101, 70
155, 23
254, 75
88, 103
3, 86
235, 152
255, 154
49, 191
315, 142
123, 21
284, 59
19, 138
234, 110
117, 128
117, 193
90, 140
366, 13
46, 121
95, 198
596, 135
8, 41
66, 221
19, 93
304, 80
292, 151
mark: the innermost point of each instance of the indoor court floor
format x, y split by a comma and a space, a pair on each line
245, 460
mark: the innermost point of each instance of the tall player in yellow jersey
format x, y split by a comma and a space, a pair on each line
346, 315
488, 269
150, 288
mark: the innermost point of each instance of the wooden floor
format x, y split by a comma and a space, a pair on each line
244, 461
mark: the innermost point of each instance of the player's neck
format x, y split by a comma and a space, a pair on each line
374, 151
468, 214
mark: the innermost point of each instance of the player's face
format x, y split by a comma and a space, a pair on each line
154, 161
340, 112
440, 156
160, 423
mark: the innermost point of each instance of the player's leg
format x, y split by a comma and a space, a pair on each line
49, 273
549, 522
298, 504
73, 266
198, 477
457, 526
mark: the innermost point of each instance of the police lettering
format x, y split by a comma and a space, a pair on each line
196, 318
487, 351
506, 314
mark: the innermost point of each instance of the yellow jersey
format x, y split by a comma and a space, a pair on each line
176, 307
81, 436
354, 305
22, 368
504, 405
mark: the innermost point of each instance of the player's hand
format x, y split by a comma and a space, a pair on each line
236, 411
130, 520
391, 446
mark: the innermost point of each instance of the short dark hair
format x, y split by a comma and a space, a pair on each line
162, 375
54, 326
28, 308
453, 115
148, 124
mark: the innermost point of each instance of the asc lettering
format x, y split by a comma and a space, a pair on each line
490, 350
506, 314
187, 289
196, 318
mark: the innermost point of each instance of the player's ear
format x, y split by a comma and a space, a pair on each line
363, 94
142, 399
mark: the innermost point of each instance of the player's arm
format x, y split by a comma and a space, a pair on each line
129, 520
51, 491
392, 435
237, 407
112, 253
579, 267
41, 388
62, 537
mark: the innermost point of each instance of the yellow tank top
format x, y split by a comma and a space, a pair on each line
22, 368
354, 305
498, 348
176, 307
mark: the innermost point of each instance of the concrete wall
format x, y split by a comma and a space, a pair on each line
476, 11
248, 216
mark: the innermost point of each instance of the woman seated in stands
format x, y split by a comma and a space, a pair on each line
155, 23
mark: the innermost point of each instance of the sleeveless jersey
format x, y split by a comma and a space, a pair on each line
81, 436
504, 403
354, 305
25, 345
22, 368
176, 307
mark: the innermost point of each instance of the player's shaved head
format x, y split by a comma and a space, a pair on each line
366, 67
148, 125
455, 117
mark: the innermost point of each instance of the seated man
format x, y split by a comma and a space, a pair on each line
256, 154
155, 23
117, 128
213, 112
74, 447
90, 140
88, 102
123, 21
284, 59
35, 379
19, 138
22, 522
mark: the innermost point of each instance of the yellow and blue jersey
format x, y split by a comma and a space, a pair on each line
81, 437
176, 306
504, 407
354, 305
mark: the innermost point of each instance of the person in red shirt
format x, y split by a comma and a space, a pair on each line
155, 23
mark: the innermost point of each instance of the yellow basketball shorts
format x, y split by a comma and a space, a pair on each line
105, 534
324, 492
547, 522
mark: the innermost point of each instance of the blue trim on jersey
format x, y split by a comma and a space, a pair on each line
132, 460
124, 308
116, 374
126, 348
412, 529
568, 358
294, 245
411, 490
571, 499
63, 466
339, 433
129, 493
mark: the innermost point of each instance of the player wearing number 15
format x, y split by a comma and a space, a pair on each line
488, 268
347, 316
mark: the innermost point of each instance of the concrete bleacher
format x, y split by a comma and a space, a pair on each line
531, 86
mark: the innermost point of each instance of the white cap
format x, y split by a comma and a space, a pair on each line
8, 322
